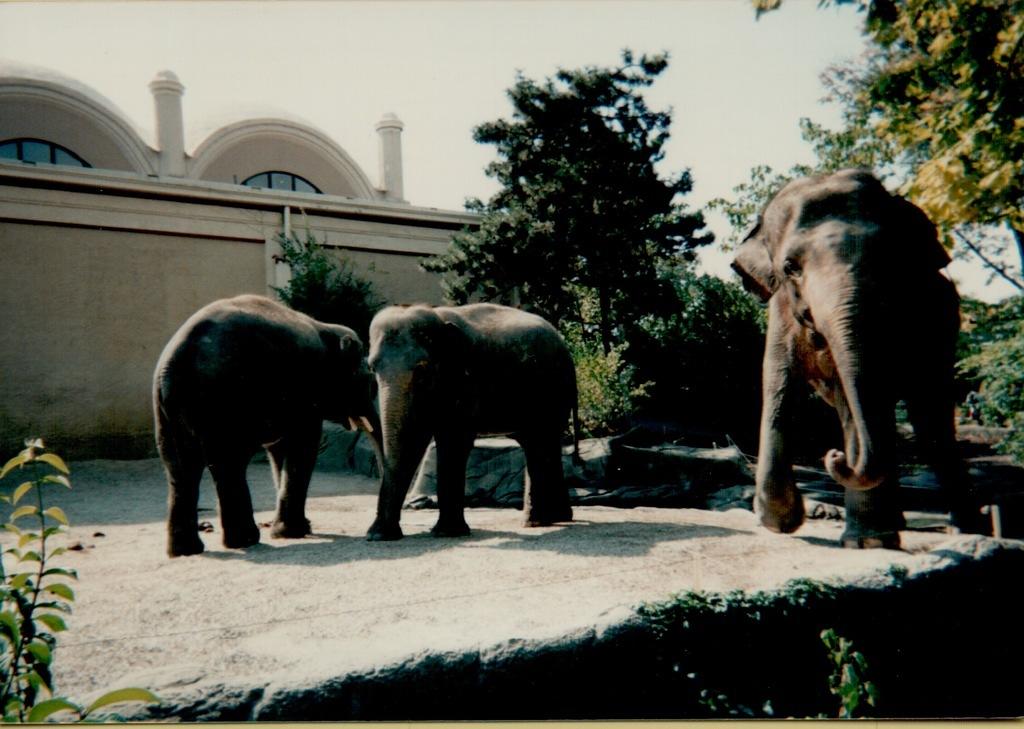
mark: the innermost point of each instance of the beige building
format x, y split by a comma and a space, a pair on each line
110, 241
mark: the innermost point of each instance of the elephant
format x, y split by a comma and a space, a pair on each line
241, 374
454, 372
858, 307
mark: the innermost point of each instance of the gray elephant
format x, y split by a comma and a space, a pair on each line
452, 373
246, 373
858, 307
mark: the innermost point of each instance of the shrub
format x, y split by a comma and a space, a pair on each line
606, 383
326, 286
701, 349
848, 679
35, 596
992, 346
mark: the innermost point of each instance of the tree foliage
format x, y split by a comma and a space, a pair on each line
326, 287
581, 204
937, 102
992, 359
701, 354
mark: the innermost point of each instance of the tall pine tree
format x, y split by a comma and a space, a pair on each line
581, 207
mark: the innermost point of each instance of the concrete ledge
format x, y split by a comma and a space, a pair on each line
559, 622
939, 641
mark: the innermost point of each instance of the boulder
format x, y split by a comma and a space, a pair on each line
494, 476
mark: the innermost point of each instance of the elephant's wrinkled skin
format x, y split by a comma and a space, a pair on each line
246, 373
859, 308
452, 373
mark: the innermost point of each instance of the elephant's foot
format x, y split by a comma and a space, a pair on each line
887, 540
873, 518
184, 543
295, 530
540, 518
450, 528
241, 537
783, 516
381, 531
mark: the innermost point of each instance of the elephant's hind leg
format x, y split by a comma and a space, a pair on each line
183, 462
452, 457
546, 497
935, 433
228, 471
293, 461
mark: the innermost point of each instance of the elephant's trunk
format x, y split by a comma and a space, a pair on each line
404, 443
861, 465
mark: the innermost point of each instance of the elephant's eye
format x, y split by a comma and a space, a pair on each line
791, 268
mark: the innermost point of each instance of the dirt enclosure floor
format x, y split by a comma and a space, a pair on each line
300, 612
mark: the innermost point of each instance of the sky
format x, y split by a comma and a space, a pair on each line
737, 85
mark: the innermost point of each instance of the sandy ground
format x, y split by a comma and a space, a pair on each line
318, 607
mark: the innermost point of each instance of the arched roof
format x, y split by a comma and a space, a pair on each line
244, 148
59, 109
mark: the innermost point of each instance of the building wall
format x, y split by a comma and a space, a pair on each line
100, 269
87, 312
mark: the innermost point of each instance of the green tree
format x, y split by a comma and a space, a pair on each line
581, 205
326, 287
939, 95
991, 353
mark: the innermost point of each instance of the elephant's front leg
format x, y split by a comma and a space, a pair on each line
293, 459
452, 456
777, 501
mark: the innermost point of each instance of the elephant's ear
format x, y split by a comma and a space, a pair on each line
343, 347
754, 266
919, 239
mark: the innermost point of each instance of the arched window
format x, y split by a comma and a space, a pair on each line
281, 181
39, 150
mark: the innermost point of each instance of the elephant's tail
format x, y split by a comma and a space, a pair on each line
576, 428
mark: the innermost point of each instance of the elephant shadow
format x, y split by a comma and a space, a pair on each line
622, 539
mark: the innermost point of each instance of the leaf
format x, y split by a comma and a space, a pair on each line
54, 460
40, 651
23, 511
21, 491
20, 580
9, 625
30, 556
55, 512
120, 695
26, 538
61, 590
44, 709
18, 460
53, 622
58, 479
61, 571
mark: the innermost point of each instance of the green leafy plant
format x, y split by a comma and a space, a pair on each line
326, 286
848, 679
992, 350
606, 384
35, 596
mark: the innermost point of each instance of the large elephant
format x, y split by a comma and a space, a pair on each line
246, 373
858, 307
452, 373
